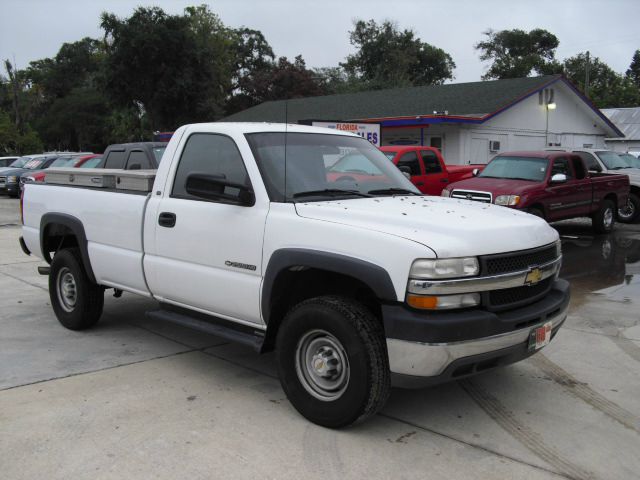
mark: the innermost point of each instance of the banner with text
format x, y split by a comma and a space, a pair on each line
368, 131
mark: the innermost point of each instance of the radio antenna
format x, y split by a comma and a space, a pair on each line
286, 128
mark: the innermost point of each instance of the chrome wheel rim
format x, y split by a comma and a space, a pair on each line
66, 289
628, 211
608, 218
322, 365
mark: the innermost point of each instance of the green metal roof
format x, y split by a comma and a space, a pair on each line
474, 99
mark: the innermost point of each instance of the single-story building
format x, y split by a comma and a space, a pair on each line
469, 122
627, 120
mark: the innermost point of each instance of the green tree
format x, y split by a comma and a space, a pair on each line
177, 68
277, 80
388, 57
633, 73
13, 142
516, 53
607, 88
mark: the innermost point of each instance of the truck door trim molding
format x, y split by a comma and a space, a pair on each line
77, 228
374, 276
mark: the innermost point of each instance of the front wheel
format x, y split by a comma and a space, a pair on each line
76, 301
604, 219
630, 212
332, 361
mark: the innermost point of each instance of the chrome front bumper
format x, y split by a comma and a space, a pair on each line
418, 359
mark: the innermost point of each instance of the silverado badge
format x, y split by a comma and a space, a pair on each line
533, 276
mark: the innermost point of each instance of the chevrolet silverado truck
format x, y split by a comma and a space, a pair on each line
245, 234
551, 185
426, 168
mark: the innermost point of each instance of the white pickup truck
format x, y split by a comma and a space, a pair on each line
355, 279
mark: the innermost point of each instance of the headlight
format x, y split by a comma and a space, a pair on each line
508, 200
445, 268
28, 179
443, 302
12, 179
445, 193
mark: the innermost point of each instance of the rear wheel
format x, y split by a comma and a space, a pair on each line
630, 212
332, 361
604, 219
76, 301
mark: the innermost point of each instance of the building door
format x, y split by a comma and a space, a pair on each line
479, 150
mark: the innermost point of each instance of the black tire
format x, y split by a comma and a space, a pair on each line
76, 301
360, 340
605, 218
536, 212
631, 212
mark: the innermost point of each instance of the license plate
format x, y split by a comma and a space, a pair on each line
540, 337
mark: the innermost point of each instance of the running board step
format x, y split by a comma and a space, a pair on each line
245, 335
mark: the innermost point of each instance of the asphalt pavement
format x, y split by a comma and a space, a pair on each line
134, 398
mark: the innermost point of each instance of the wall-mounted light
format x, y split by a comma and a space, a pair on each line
551, 106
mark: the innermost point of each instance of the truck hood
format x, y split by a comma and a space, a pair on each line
449, 227
497, 186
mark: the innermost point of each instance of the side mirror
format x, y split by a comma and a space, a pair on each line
559, 178
212, 187
475, 172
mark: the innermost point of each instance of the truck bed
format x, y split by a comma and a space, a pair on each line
114, 241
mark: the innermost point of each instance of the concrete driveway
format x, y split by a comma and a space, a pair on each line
136, 399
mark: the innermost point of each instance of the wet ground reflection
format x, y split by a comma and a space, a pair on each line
602, 269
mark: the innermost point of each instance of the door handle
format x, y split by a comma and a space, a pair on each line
444, 180
419, 184
167, 219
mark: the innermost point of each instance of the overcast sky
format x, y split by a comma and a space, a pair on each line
610, 29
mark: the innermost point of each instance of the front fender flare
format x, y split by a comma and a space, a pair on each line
374, 276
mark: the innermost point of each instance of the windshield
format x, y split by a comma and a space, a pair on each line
321, 167
630, 160
64, 162
517, 168
390, 155
20, 162
157, 152
91, 163
612, 160
33, 164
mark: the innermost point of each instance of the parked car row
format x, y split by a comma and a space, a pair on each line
15, 172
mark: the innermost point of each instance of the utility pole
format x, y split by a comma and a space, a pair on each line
586, 76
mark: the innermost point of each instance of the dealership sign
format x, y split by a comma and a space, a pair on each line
368, 131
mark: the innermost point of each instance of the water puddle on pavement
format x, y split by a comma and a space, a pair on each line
604, 272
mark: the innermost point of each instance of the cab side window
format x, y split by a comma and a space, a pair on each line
138, 160
561, 165
209, 154
410, 160
578, 167
115, 159
431, 163
590, 161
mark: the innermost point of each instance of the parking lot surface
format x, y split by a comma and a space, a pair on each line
132, 398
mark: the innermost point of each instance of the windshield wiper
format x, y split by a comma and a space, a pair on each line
392, 191
331, 192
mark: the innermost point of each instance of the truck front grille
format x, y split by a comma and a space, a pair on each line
517, 296
3, 181
484, 197
517, 261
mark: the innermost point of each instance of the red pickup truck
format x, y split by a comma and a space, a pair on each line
427, 168
551, 185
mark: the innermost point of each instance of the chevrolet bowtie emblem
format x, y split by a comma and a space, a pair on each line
533, 277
